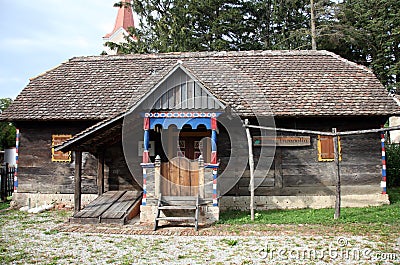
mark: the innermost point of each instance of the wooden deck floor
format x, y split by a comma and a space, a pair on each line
111, 207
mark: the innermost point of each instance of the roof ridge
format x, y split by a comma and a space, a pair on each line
49, 70
362, 67
202, 54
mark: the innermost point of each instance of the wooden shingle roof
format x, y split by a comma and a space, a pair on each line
292, 83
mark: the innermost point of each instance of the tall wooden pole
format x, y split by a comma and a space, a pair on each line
313, 32
337, 171
251, 165
78, 179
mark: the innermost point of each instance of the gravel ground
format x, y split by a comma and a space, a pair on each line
46, 238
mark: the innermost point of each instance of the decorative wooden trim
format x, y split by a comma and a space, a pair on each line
181, 115
58, 156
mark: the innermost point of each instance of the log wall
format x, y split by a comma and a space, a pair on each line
119, 178
297, 171
36, 171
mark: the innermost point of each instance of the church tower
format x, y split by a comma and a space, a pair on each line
122, 23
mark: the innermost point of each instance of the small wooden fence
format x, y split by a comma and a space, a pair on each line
7, 181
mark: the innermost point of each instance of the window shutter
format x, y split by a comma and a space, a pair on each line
327, 149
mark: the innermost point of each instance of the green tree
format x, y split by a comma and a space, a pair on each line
7, 130
204, 25
364, 31
368, 32
191, 25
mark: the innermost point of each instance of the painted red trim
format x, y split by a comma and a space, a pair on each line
146, 123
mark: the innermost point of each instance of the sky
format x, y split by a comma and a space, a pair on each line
37, 35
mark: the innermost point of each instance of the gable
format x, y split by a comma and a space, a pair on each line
180, 90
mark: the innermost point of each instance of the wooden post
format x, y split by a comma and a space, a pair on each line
157, 176
78, 179
251, 165
201, 177
100, 173
337, 171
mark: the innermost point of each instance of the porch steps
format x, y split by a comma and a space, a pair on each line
176, 207
115, 207
186, 206
177, 218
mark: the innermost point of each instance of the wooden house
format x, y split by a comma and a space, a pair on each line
171, 124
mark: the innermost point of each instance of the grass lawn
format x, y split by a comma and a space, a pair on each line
4, 205
385, 219
42, 239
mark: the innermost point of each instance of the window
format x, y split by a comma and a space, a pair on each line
326, 149
60, 156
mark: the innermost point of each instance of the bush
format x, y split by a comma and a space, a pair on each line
393, 165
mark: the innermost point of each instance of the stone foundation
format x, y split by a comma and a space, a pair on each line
208, 214
22, 199
297, 202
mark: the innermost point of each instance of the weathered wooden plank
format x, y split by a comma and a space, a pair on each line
179, 199
100, 205
104, 206
120, 207
267, 182
163, 179
174, 178
194, 178
184, 176
134, 210
91, 206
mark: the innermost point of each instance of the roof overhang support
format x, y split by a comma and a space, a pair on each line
78, 180
100, 173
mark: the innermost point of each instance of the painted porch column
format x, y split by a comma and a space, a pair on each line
16, 159
78, 179
214, 156
146, 137
383, 181
157, 178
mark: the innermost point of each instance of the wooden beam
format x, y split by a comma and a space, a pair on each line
78, 180
251, 164
337, 172
100, 173
324, 133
